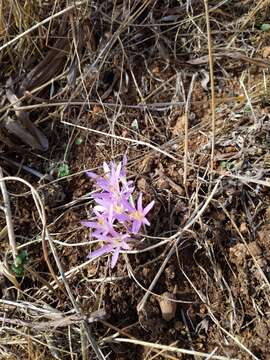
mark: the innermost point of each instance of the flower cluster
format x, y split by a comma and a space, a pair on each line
117, 218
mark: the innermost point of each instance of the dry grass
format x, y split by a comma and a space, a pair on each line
182, 86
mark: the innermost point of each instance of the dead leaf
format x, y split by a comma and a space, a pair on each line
179, 127
23, 127
142, 185
48, 68
17, 129
254, 249
116, 78
266, 51
231, 55
145, 165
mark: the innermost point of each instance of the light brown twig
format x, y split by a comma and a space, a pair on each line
8, 215
211, 71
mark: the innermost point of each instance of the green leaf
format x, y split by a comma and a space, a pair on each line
265, 27
78, 141
18, 270
63, 170
20, 260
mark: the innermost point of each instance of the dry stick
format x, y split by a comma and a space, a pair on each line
162, 353
138, 142
163, 106
211, 71
45, 21
35, 340
45, 234
159, 106
173, 248
123, 332
7, 211
170, 348
246, 179
186, 126
249, 101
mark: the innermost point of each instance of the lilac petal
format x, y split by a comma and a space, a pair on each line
102, 182
106, 168
136, 226
128, 206
125, 160
101, 251
110, 215
125, 193
101, 195
125, 237
96, 212
115, 257
100, 234
118, 170
121, 217
139, 203
146, 222
113, 233
97, 234
106, 203
124, 245
90, 224
91, 174
103, 206
148, 207
114, 185
100, 209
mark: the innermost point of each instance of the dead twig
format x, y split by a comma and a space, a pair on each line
8, 215
186, 125
170, 348
138, 142
211, 70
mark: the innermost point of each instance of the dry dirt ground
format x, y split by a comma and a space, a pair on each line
182, 87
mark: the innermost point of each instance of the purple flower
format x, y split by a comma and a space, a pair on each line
114, 183
115, 215
137, 216
110, 181
115, 243
116, 209
102, 225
